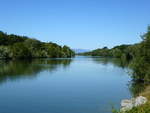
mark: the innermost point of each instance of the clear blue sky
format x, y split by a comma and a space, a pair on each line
86, 24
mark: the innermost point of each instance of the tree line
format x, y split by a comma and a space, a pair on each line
138, 56
16, 47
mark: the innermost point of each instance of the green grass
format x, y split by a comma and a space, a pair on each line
141, 109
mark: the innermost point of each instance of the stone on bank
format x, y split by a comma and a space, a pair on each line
134, 102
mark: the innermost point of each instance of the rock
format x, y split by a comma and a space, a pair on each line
126, 105
125, 102
134, 102
140, 100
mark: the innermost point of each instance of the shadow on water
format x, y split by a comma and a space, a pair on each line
12, 70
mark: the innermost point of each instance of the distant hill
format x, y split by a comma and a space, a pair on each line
80, 50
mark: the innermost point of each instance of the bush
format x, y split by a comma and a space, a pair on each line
4, 52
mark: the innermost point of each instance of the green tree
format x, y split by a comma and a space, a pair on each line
5, 52
19, 50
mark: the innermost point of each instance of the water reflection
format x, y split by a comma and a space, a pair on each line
135, 87
84, 87
11, 70
115, 61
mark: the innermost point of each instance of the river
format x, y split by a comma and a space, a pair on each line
64, 85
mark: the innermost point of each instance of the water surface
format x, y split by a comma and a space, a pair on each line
77, 85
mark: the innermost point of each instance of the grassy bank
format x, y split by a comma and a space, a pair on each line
143, 108
146, 93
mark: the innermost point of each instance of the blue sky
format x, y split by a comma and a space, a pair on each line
86, 24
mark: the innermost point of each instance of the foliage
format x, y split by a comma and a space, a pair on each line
4, 52
141, 62
138, 56
14, 46
19, 50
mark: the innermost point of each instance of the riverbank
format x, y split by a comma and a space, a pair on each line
146, 93
145, 108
